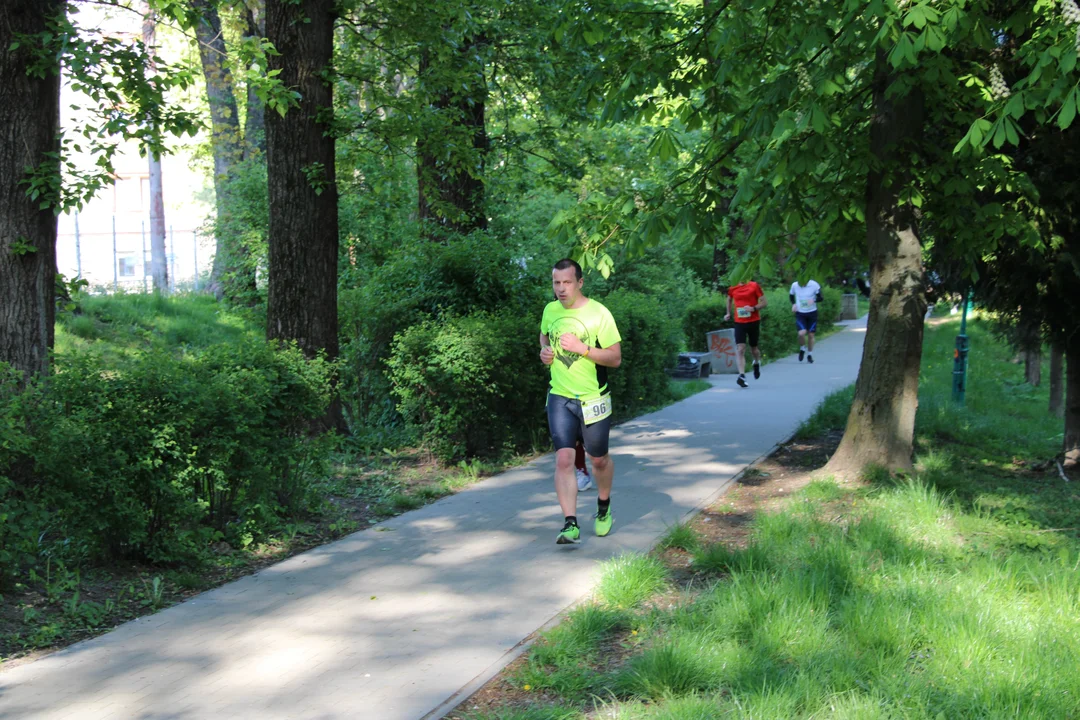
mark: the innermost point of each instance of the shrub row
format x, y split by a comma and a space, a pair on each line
777, 320
154, 456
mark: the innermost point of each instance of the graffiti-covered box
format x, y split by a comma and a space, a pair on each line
721, 344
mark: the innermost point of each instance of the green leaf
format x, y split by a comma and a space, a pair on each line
766, 266
1068, 62
593, 36
916, 16
1015, 106
963, 142
999, 133
1011, 133
1068, 110
829, 88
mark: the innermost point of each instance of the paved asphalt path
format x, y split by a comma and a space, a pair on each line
390, 622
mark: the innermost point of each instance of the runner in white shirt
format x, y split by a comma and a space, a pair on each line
804, 299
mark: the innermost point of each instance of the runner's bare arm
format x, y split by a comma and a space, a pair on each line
728, 316
762, 303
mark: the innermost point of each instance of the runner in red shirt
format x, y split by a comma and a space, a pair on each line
747, 300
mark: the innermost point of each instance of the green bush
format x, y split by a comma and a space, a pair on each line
778, 330
153, 456
657, 272
703, 316
422, 281
20, 516
471, 385
650, 343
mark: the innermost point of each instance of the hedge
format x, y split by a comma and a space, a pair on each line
154, 456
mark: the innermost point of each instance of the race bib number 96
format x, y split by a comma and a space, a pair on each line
805, 305
596, 410
745, 311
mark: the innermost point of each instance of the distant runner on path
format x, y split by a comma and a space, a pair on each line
804, 300
579, 342
747, 299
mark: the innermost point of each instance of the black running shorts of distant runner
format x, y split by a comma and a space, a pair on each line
567, 425
806, 321
747, 332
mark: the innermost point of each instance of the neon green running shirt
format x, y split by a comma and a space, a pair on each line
573, 376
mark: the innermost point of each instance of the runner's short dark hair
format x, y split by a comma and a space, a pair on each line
568, 263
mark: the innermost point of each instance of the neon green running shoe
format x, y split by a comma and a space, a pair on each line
569, 535
603, 524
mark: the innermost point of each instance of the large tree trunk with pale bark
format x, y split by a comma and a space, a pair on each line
255, 118
303, 246
1071, 446
29, 126
231, 267
450, 183
881, 426
159, 260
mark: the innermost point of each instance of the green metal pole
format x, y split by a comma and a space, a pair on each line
960, 354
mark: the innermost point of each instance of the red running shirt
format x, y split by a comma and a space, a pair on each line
746, 296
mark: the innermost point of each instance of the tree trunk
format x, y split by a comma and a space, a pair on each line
881, 426
1033, 367
29, 127
1071, 445
1057, 387
159, 261
226, 144
450, 183
255, 119
303, 243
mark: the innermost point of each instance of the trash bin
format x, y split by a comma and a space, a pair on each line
721, 344
693, 365
849, 306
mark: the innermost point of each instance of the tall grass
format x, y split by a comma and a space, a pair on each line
123, 322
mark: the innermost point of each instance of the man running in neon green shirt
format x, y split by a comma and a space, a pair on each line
579, 342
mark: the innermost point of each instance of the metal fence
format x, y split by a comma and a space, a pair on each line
113, 254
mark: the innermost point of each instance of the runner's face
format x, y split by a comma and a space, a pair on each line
566, 286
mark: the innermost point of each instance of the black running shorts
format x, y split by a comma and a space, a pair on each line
747, 331
567, 425
806, 321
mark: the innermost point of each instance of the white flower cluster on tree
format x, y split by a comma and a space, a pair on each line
998, 89
804, 80
1071, 14
1070, 11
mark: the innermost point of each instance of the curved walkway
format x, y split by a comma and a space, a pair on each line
392, 621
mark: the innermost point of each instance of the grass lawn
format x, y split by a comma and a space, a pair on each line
952, 592
125, 322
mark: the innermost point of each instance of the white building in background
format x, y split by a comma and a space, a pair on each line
108, 241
